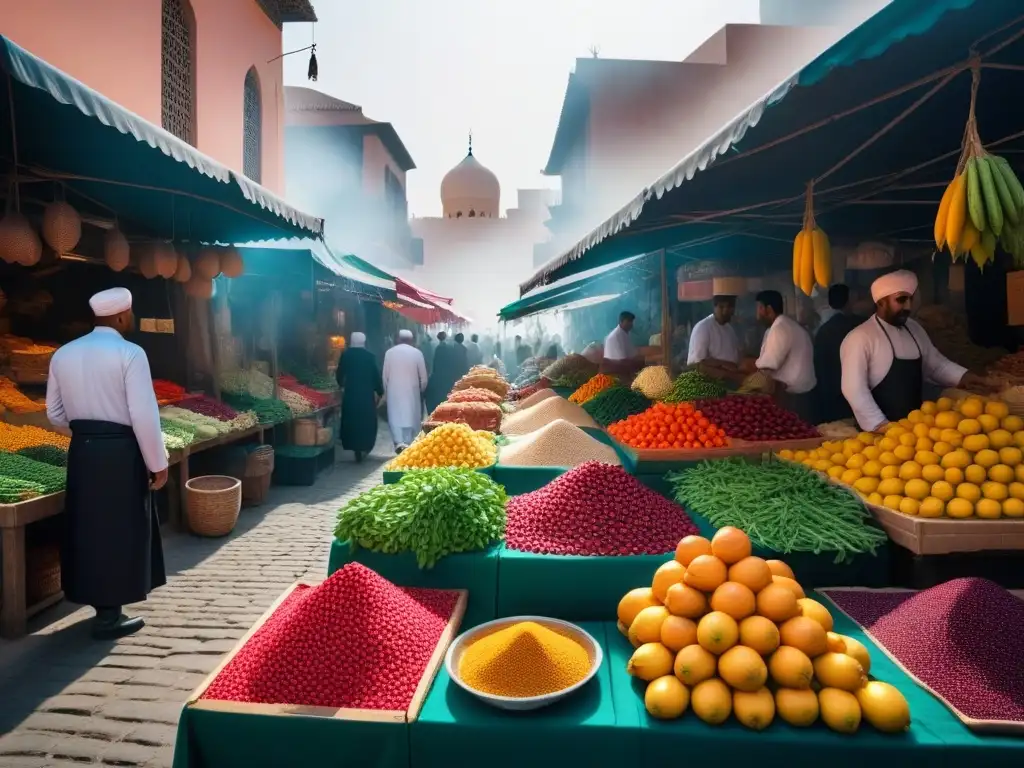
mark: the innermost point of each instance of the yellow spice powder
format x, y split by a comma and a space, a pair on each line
523, 660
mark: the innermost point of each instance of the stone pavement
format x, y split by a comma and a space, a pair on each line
66, 700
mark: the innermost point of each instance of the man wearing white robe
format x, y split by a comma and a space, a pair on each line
101, 388
714, 339
405, 379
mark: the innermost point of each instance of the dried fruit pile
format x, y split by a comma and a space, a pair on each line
483, 378
355, 641
756, 418
558, 444
961, 639
595, 509
717, 624
429, 512
550, 409
450, 445
664, 426
486, 416
781, 506
616, 404
15, 401
594, 386
654, 382
474, 395
693, 385
14, 438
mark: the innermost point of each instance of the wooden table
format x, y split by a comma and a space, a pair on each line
14, 613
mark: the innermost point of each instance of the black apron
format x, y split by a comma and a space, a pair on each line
112, 552
901, 390
828, 368
803, 405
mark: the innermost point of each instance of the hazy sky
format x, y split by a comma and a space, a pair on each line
438, 68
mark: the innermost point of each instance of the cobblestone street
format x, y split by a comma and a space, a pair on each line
67, 700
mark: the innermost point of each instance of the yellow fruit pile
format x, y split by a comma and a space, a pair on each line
717, 623
812, 254
954, 459
450, 445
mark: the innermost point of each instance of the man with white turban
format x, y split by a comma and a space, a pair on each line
362, 387
101, 388
887, 359
405, 379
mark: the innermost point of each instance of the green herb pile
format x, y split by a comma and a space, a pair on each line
268, 410
783, 507
177, 434
49, 478
572, 381
692, 385
47, 454
615, 404
430, 512
310, 376
13, 490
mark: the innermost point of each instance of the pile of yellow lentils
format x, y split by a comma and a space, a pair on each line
14, 438
450, 445
14, 401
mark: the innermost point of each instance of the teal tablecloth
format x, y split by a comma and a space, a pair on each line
520, 480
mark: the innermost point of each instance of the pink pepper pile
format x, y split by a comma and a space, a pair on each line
595, 509
207, 406
354, 641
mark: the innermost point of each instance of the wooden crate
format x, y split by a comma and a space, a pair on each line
945, 536
360, 715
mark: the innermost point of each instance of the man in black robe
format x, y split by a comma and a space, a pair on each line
442, 374
101, 388
359, 378
461, 356
836, 322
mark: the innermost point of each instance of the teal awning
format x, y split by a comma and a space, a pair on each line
112, 162
878, 79
273, 257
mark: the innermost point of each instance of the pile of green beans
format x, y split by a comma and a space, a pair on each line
693, 385
783, 507
615, 404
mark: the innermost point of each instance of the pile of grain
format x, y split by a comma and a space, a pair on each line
546, 411
536, 397
558, 444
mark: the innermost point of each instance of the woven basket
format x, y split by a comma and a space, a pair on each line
42, 573
255, 490
304, 432
259, 463
31, 361
213, 504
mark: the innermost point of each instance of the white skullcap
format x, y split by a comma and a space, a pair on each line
358, 339
902, 281
405, 335
110, 302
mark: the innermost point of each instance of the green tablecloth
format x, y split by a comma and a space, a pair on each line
594, 727
519, 480
475, 571
570, 587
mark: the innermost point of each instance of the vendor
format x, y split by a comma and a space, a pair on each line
787, 355
713, 340
620, 354
836, 323
887, 359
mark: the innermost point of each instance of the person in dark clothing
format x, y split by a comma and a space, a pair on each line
443, 373
837, 321
362, 388
523, 352
461, 357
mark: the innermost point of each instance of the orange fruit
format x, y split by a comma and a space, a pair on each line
667, 574
743, 668
751, 572
706, 573
805, 635
779, 568
690, 547
777, 603
734, 599
730, 545
695, 664
717, 632
633, 602
791, 668
791, 585
677, 633
759, 633
815, 610
685, 601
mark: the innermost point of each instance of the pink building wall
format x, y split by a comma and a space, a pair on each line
114, 48
375, 159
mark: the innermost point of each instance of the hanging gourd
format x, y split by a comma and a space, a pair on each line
19, 244
116, 251
207, 266
62, 226
231, 264
183, 272
147, 262
199, 288
166, 260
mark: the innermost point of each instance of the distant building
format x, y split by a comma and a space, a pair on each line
348, 168
471, 252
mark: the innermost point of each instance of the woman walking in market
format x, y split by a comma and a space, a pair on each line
362, 387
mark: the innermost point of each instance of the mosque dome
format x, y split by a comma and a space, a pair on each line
470, 190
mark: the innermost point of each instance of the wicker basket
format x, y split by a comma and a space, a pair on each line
42, 573
304, 432
259, 463
213, 504
324, 436
255, 490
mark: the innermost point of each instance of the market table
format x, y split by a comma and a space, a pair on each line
14, 613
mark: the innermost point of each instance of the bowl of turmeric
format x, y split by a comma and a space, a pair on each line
523, 662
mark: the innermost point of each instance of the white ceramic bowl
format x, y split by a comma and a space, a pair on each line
463, 641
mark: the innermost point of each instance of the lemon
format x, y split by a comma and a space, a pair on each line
969, 427
989, 509
926, 458
1018, 438
823, 453
933, 473
968, 491
889, 459
871, 453
887, 444
917, 489
904, 452
1010, 456
975, 443
890, 471
942, 490
868, 438
875, 498
866, 484
892, 502
838, 459
836, 471
941, 448
988, 423
1000, 438
987, 458
995, 491
954, 476
906, 424
935, 434
915, 416
972, 407
891, 486
921, 430
931, 507
997, 408
1013, 507
943, 404
910, 506
1018, 472
800, 456
823, 465
1016, 490
850, 476
930, 408
850, 447
1001, 473
910, 470
952, 437
908, 439
958, 459
871, 468
1012, 423
975, 474
947, 420
857, 461
959, 508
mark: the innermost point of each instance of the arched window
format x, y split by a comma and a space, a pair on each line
252, 127
178, 63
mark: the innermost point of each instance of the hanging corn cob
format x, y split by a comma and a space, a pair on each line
983, 204
812, 254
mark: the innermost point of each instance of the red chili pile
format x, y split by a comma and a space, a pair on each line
963, 639
354, 641
316, 397
595, 509
207, 406
755, 418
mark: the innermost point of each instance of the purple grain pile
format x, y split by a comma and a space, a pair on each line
207, 406
963, 639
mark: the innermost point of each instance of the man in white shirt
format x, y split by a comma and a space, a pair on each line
617, 344
713, 340
100, 386
405, 379
787, 355
887, 359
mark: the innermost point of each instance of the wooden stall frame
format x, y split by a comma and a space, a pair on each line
360, 715
14, 612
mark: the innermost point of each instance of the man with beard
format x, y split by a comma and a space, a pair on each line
887, 359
